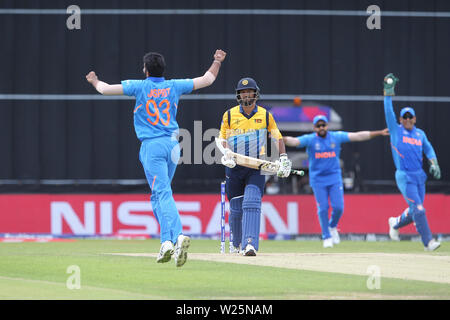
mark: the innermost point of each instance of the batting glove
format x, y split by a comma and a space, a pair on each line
389, 83
435, 171
284, 166
228, 162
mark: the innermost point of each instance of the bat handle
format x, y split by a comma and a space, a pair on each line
298, 172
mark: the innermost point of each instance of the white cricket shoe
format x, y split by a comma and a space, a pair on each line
249, 250
335, 235
234, 249
393, 233
432, 245
328, 243
165, 253
183, 243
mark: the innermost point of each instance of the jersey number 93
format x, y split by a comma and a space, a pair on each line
163, 103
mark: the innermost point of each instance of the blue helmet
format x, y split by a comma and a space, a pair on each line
247, 83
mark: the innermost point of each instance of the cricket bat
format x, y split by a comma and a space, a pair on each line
250, 162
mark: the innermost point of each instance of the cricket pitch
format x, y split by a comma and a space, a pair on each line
422, 267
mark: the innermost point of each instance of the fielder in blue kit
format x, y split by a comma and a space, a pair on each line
325, 177
408, 145
156, 127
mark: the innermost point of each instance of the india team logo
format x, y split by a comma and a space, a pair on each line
245, 82
333, 145
317, 146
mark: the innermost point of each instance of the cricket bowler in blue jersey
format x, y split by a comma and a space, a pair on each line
325, 178
156, 127
408, 145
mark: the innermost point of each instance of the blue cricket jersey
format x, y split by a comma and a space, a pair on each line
323, 155
407, 146
156, 105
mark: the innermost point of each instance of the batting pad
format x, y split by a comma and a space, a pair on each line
236, 219
251, 207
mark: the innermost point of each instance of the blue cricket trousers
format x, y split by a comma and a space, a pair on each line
412, 187
335, 193
159, 157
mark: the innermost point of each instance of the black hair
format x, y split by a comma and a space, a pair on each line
154, 64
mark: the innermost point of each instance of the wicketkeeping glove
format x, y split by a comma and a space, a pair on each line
435, 171
388, 85
285, 165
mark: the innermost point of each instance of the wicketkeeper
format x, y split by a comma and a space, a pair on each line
248, 130
408, 145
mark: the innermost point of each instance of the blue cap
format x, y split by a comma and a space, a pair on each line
320, 118
247, 83
407, 109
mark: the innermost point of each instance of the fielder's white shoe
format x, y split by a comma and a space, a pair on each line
393, 233
183, 243
165, 253
328, 243
249, 250
335, 235
432, 245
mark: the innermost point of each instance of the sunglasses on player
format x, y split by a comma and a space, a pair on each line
407, 116
321, 125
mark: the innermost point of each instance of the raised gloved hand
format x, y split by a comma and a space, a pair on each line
284, 166
435, 171
389, 83
227, 160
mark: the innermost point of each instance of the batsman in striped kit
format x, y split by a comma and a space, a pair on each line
245, 129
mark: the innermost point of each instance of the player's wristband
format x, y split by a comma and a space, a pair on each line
218, 62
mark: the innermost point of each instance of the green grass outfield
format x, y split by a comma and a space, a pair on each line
32, 270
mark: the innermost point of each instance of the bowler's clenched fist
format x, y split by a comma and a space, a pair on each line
91, 77
220, 55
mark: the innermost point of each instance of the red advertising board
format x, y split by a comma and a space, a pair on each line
129, 214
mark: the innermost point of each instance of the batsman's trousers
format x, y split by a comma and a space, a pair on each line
239, 177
